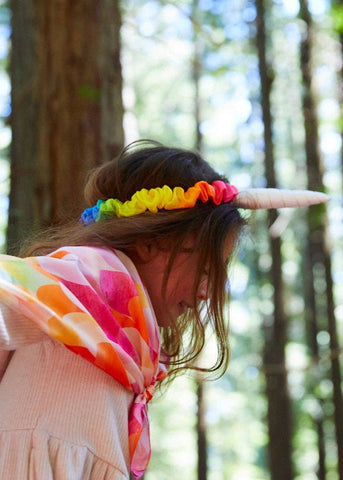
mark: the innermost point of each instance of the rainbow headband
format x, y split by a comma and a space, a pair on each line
165, 198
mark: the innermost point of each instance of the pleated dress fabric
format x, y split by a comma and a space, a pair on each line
53, 426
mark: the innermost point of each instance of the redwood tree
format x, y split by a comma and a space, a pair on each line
66, 106
201, 426
279, 405
337, 17
319, 260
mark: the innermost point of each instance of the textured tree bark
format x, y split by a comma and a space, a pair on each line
201, 430
312, 332
319, 255
24, 119
279, 405
66, 105
201, 426
337, 11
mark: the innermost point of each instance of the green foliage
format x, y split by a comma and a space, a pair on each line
337, 17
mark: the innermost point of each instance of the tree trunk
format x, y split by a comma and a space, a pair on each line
279, 404
196, 75
337, 12
319, 255
66, 106
312, 332
201, 428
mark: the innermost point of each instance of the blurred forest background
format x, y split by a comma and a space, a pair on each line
256, 85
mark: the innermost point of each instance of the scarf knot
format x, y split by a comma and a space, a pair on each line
149, 392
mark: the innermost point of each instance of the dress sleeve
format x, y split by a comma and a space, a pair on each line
15, 331
19, 310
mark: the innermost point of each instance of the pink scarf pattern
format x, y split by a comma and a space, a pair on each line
93, 301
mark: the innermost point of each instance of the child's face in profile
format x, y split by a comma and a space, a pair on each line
179, 294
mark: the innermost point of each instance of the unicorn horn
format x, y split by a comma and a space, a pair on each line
256, 198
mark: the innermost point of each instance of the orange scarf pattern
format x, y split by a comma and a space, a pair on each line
93, 301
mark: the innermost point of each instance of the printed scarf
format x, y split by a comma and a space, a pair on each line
92, 300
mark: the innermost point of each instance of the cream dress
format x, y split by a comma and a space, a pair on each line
61, 417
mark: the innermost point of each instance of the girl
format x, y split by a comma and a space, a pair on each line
95, 312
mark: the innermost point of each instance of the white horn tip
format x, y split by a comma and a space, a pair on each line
257, 198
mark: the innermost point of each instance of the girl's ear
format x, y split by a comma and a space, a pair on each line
145, 251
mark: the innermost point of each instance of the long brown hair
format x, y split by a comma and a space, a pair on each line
147, 164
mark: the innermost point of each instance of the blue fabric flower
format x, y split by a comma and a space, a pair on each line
90, 215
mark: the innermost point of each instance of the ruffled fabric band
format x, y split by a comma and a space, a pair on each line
161, 198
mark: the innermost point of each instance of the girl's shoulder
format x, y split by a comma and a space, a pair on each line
85, 254
93, 258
